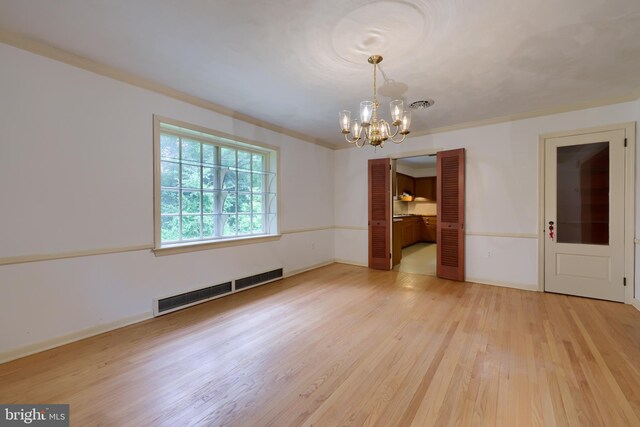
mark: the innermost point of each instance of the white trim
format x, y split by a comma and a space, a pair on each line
415, 153
496, 234
60, 55
30, 349
349, 262
629, 198
76, 254
175, 249
633, 96
636, 303
522, 286
308, 230
43, 49
350, 227
210, 135
215, 244
38, 347
305, 269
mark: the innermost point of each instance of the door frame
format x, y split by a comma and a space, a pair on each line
396, 156
629, 200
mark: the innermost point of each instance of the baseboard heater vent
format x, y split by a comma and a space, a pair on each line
258, 278
176, 302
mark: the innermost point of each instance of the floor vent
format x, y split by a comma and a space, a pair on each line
187, 299
258, 278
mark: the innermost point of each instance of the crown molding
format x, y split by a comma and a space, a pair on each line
633, 96
60, 55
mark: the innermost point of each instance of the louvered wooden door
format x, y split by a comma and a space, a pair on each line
379, 214
450, 231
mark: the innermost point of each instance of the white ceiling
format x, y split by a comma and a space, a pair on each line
418, 161
295, 64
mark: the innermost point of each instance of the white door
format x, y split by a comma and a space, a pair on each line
584, 215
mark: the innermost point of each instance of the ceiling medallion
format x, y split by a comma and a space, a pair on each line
369, 129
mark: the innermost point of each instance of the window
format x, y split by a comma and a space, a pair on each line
211, 187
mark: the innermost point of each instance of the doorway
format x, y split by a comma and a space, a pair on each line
449, 225
587, 241
415, 208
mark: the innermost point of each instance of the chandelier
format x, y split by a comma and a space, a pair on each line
370, 129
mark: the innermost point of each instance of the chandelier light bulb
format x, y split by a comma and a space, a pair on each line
345, 119
366, 111
356, 129
406, 122
376, 130
396, 107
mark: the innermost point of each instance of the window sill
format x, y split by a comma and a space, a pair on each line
203, 246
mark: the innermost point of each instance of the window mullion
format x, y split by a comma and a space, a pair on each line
231, 157
201, 191
180, 186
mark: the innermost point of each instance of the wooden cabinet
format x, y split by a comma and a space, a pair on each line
428, 229
397, 242
426, 187
432, 227
405, 184
414, 229
406, 232
418, 187
410, 230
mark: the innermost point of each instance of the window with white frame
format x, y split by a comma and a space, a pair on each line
212, 188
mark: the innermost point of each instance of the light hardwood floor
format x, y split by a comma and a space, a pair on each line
344, 345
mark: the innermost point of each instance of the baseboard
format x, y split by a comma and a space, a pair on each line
30, 349
348, 262
636, 303
521, 286
305, 269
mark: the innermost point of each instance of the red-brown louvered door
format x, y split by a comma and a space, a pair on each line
450, 232
379, 214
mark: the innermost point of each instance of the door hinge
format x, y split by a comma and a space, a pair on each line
624, 281
390, 258
625, 142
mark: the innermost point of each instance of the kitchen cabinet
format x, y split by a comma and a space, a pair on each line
429, 230
405, 184
397, 242
414, 229
426, 187
405, 232
410, 231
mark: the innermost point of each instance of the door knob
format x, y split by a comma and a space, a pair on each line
551, 230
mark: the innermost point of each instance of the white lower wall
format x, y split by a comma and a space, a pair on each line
487, 257
42, 301
351, 246
76, 174
501, 190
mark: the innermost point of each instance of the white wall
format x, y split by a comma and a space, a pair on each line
76, 174
59, 123
501, 191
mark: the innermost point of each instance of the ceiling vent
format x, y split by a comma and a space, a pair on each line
421, 105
